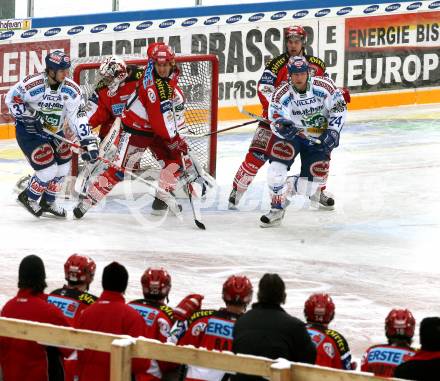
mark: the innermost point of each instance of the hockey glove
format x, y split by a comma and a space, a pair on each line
90, 149
197, 174
187, 306
329, 140
177, 146
346, 94
32, 124
286, 128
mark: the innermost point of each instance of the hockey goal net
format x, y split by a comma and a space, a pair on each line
199, 83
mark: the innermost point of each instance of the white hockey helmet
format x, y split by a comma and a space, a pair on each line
114, 71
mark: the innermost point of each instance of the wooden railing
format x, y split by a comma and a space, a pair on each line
123, 348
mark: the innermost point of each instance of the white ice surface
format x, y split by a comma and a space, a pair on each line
379, 249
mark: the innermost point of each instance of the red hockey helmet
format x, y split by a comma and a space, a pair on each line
296, 32
79, 268
400, 323
161, 53
237, 290
156, 283
319, 308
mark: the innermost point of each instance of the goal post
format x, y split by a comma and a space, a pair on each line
199, 82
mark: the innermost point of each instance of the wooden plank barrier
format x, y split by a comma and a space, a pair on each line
123, 348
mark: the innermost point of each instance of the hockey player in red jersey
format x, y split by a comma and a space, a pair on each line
151, 119
331, 347
383, 359
73, 297
159, 318
273, 75
212, 329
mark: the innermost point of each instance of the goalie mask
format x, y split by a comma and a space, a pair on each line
113, 71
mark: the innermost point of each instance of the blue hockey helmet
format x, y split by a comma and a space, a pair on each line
297, 64
57, 60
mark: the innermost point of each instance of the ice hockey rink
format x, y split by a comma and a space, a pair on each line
377, 250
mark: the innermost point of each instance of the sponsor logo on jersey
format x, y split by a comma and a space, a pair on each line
87, 298
322, 12
300, 14
212, 20
29, 77
316, 336
64, 151
198, 328
72, 85
42, 155
189, 22
34, 84
305, 102
6, 35
151, 95
434, 5
392, 7
329, 349
36, 91
98, 28
371, 9
121, 27
330, 88
144, 25
220, 328
52, 32
167, 23
75, 30
67, 306
149, 314
283, 150
320, 169
414, 6
388, 355
117, 109
344, 11
234, 19
278, 15
69, 91
29, 33
164, 327
256, 17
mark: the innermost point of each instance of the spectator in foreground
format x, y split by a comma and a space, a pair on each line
269, 331
109, 314
425, 364
383, 359
23, 359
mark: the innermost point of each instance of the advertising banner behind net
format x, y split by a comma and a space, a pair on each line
366, 53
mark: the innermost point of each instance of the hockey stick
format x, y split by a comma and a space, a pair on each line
243, 111
198, 223
218, 131
173, 205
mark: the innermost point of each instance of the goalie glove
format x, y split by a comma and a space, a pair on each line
187, 306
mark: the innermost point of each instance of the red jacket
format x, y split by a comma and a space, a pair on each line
108, 314
26, 360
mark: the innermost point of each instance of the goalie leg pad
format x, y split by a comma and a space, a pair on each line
103, 185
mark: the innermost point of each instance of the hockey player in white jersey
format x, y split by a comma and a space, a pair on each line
42, 102
301, 108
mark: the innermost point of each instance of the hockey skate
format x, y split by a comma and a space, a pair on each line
273, 218
52, 209
81, 209
323, 200
160, 207
234, 199
30, 205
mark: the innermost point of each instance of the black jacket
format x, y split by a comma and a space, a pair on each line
267, 330
423, 366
